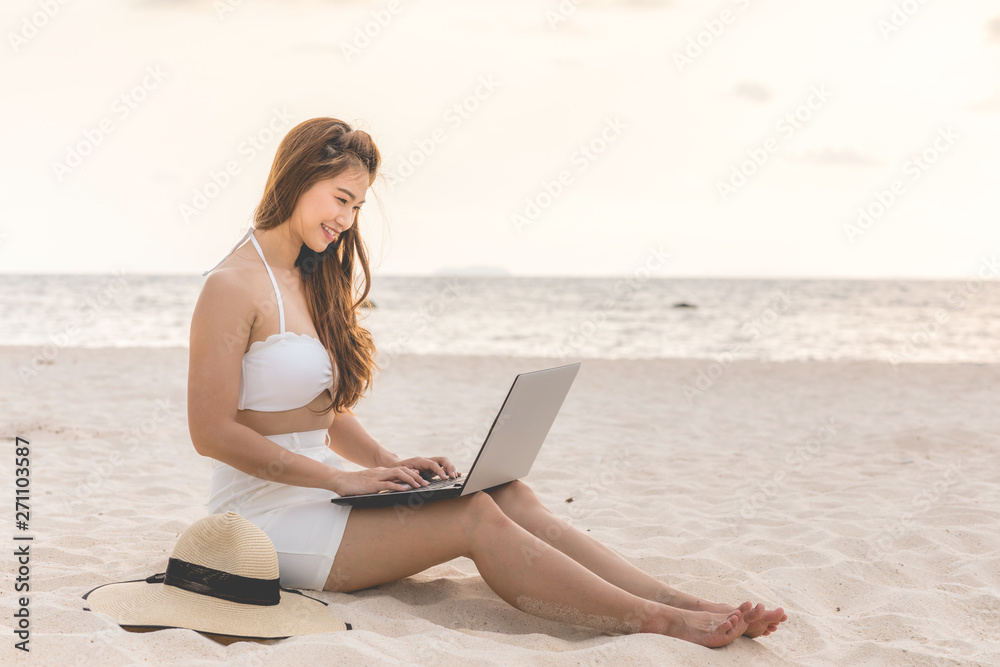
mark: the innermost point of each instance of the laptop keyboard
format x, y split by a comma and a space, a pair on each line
436, 484
439, 484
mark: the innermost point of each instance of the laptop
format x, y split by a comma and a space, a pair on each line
510, 448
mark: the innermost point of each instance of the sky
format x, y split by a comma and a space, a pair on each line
742, 138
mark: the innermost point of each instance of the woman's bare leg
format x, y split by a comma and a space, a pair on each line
520, 503
383, 545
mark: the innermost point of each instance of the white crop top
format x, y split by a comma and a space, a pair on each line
286, 370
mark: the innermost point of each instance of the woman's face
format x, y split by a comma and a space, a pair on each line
329, 207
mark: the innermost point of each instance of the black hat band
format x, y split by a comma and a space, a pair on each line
219, 584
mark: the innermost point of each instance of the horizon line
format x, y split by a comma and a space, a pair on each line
605, 276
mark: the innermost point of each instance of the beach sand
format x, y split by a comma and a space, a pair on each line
864, 498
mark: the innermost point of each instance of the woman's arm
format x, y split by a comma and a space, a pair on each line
220, 330
350, 439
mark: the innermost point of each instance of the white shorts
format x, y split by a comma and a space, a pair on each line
304, 526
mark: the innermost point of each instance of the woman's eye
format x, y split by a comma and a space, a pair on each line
341, 200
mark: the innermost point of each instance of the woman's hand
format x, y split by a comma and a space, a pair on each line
373, 480
439, 465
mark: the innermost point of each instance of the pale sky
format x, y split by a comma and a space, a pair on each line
741, 138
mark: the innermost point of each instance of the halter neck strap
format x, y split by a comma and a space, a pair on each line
248, 234
274, 283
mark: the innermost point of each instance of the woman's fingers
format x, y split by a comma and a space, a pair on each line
439, 465
409, 476
444, 468
438, 469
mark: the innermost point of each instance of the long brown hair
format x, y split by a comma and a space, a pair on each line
314, 150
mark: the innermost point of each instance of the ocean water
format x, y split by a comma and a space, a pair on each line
572, 318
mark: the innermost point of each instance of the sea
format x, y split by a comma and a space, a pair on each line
629, 317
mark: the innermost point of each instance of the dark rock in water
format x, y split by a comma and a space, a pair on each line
684, 304
367, 303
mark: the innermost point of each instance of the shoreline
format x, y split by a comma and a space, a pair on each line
28, 350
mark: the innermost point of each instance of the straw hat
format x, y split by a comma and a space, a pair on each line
222, 578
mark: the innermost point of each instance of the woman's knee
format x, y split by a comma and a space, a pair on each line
516, 496
516, 490
480, 509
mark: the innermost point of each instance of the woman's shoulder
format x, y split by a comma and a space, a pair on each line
225, 309
233, 283
236, 274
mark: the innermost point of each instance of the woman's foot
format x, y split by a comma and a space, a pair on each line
764, 621
706, 628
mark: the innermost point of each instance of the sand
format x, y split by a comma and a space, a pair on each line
861, 497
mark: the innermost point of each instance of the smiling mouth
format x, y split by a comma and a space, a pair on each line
332, 234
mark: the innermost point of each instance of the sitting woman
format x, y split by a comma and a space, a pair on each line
277, 359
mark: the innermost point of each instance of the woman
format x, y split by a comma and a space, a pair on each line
277, 359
